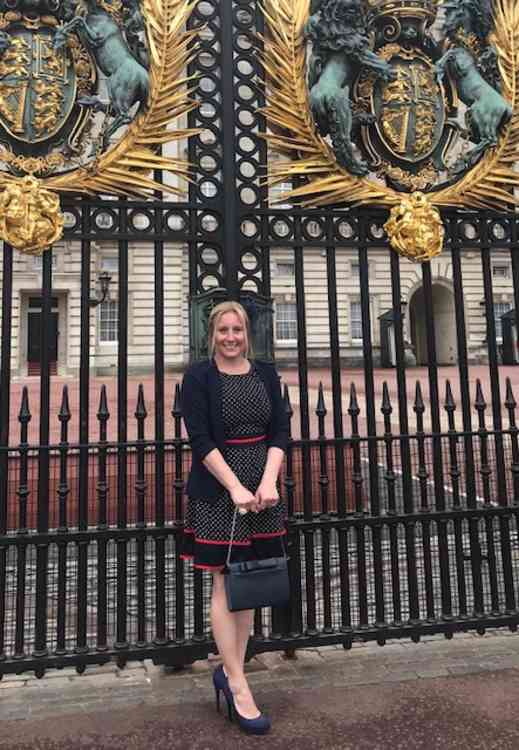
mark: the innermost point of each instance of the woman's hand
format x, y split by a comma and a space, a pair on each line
242, 498
267, 495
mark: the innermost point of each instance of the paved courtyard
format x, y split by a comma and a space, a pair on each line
460, 694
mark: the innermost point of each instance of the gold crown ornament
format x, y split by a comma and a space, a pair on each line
424, 9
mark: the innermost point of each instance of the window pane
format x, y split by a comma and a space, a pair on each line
355, 320
500, 271
286, 321
109, 263
108, 321
285, 269
500, 308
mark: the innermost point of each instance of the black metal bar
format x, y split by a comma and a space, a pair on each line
122, 434
455, 473
160, 470
84, 415
502, 495
5, 395
405, 450
63, 492
439, 489
486, 472
231, 237
304, 411
390, 479
23, 493
178, 483
360, 537
293, 539
423, 475
42, 550
470, 471
325, 535
140, 492
511, 406
103, 415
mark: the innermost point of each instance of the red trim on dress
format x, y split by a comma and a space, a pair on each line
202, 567
224, 541
268, 535
246, 440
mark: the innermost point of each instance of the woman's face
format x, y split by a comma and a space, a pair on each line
230, 338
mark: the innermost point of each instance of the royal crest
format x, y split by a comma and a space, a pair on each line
87, 91
38, 85
397, 98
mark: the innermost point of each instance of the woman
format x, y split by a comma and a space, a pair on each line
236, 420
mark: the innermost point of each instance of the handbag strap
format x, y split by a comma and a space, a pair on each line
232, 536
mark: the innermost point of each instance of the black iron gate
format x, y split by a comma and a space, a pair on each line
402, 488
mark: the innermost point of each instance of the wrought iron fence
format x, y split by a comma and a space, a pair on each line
402, 500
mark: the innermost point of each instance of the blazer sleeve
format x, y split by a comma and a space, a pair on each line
278, 433
195, 411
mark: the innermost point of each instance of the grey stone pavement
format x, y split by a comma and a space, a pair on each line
450, 694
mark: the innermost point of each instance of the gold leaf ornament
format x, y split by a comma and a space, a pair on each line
415, 228
489, 184
30, 215
125, 168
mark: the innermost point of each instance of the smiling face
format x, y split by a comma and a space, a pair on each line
230, 337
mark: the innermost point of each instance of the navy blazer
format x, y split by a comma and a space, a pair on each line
202, 412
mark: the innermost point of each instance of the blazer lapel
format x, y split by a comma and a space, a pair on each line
214, 384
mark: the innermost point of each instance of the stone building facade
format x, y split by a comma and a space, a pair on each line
103, 327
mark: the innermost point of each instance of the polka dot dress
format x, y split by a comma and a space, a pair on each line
246, 411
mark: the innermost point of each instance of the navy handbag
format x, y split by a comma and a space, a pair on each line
256, 583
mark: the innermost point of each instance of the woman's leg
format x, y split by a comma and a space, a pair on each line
244, 622
231, 632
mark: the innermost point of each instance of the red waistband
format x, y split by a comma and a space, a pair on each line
246, 440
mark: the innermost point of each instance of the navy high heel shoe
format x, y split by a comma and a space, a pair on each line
221, 684
259, 725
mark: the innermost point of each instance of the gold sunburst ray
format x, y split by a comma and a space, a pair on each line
126, 167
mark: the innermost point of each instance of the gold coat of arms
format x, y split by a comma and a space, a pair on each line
88, 91
411, 104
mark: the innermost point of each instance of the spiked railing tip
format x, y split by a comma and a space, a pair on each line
64, 412
386, 407
354, 408
24, 414
479, 402
176, 411
102, 411
140, 410
321, 407
450, 404
510, 401
419, 406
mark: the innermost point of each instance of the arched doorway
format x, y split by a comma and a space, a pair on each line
444, 325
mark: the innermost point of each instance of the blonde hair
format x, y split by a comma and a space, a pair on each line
214, 317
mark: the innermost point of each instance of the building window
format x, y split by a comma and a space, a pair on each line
285, 269
109, 263
355, 320
108, 314
355, 268
500, 308
286, 321
501, 271
37, 262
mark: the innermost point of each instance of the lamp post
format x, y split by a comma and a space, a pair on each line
104, 280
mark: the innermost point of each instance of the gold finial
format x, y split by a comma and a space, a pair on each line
415, 228
30, 216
